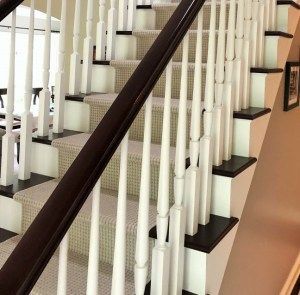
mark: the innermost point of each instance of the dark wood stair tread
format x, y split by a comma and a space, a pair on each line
288, 2
48, 139
79, 97
6, 234
279, 34
251, 113
266, 70
144, 6
208, 236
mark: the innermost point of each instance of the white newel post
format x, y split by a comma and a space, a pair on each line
27, 118
101, 32
254, 38
142, 237
261, 33
161, 251
247, 54
60, 92
218, 130
119, 264
239, 60
45, 95
62, 279
131, 15
88, 45
206, 142
178, 212
111, 30
75, 70
8, 140
192, 176
229, 93
122, 15
94, 249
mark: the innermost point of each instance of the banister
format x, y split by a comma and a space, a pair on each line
8, 6
31, 255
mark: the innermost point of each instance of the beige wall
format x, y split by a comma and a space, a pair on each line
268, 238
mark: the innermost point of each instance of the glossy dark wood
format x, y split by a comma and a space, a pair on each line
279, 34
148, 289
6, 234
143, 7
208, 236
126, 33
289, 2
251, 113
101, 62
8, 6
296, 289
48, 139
266, 70
59, 212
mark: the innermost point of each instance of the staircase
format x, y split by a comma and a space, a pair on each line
192, 147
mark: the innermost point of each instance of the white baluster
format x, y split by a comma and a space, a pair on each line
229, 88
111, 31
238, 63
88, 46
273, 14
206, 142
131, 14
8, 140
93, 267
254, 33
267, 14
101, 32
75, 67
63, 266
178, 212
247, 55
118, 277
218, 131
142, 238
161, 251
60, 92
27, 118
261, 33
122, 15
192, 176
45, 95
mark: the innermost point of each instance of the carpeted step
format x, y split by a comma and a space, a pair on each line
69, 147
125, 68
77, 273
100, 103
165, 10
33, 199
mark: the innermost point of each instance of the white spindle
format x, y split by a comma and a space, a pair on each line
59, 102
206, 142
267, 4
45, 94
261, 33
142, 238
178, 212
75, 67
27, 118
239, 47
247, 54
131, 14
254, 33
8, 140
118, 277
273, 15
88, 45
93, 266
111, 30
101, 32
63, 266
218, 131
228, 87
122, 15
192, 176
161, 251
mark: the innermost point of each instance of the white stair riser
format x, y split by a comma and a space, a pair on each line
287, 18
10, 214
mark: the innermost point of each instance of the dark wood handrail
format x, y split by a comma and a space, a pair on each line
8, 6
30, 257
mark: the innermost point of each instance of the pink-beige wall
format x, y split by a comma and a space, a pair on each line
268, 238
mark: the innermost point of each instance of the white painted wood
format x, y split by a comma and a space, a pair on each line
75, 67
59, 102
261, 33
273, 14
192, 177
118, 277
93, 265
254, 33
8, 140
267, 4
131, 15
228, 86
26, 118
63, 266
218, 130
88, 50
161, 251
122, 15
178, 214
111, 30
45, 94
101, 32
142, 237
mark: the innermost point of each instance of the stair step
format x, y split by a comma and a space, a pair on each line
279, 34
263, 70
289, 2
34, 198
251, 113
77, 273
6, 234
